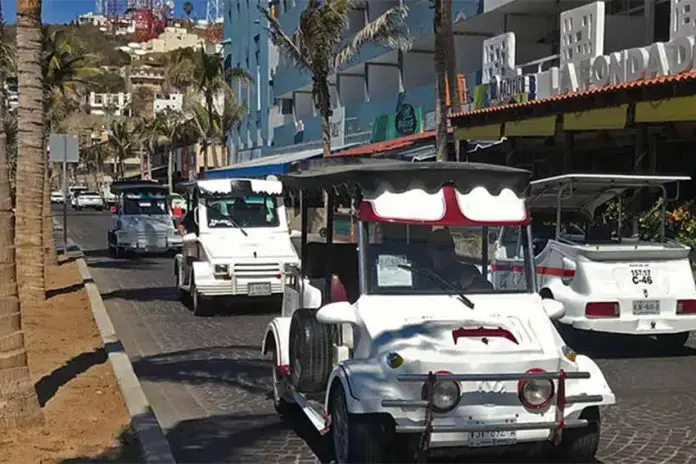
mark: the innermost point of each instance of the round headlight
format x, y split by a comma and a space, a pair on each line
446, 395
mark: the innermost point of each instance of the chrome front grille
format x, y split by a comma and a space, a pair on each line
257, 270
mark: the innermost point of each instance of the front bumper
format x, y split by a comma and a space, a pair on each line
234, 287
490, 429
149, 245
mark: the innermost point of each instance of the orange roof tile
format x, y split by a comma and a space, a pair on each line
685, 76
388, 145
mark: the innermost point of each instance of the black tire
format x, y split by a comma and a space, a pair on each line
673, 342
365, 433
182, 294
310, 352
200, 305
580, 445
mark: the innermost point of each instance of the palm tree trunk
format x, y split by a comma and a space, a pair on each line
20, 406
442, 17
31, 159
323, 104
170, 169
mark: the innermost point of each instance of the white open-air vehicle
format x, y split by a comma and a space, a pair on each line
399, 349
141, 222
240, 245
606, 282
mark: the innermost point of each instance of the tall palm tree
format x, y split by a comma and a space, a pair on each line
124, 137
318, 45
17, 394
444, 69
188, 9
31, 161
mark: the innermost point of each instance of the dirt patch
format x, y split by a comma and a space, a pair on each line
85, 416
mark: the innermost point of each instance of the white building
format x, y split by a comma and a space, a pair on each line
116, 104
171, 101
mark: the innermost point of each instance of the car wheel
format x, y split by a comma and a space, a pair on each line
278, 388
672, 342
580, 445
310, 352
355, 438
199, 304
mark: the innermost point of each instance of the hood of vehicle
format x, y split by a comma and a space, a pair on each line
147, 223
444, 326
232, 243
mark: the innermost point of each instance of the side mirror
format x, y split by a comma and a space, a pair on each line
340, 312
569, 268
189, 238
554, 309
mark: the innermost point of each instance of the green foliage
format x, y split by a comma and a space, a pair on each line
109, 82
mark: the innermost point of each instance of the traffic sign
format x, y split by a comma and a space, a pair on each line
63, 148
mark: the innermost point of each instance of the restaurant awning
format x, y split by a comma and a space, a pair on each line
264, 166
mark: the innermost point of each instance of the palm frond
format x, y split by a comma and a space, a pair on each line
389, 30
287, 45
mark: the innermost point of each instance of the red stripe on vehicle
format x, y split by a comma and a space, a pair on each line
545, 270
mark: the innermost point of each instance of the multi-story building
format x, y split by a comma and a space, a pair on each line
117, 104
368, 93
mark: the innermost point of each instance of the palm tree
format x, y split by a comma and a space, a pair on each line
444, 69
318, 45
31, 161
17, 394
124, 137
188, 9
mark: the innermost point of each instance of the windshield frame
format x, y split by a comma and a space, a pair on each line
366, 264
235, 223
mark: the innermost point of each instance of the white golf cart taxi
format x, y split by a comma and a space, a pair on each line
606, 282
398, 350
141, 221
240, 245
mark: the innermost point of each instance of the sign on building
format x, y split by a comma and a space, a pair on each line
583, 62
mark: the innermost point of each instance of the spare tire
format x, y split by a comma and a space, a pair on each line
311, 359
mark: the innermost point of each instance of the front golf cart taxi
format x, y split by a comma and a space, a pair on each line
239, 245
140, 219
399, 346
608, 279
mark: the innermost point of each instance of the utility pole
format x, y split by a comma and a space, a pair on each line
445, 65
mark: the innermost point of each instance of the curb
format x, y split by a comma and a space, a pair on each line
153, 443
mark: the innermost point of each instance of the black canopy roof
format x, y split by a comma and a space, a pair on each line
131, 186
368, 174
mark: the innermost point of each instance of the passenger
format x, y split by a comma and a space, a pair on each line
444, 262
187, 224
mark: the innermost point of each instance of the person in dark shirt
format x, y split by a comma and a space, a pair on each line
188, 224
444, 262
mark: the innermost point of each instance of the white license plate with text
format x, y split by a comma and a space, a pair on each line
492, 437
646, 307
259, 289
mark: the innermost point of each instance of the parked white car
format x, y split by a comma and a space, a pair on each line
399, 346
140, 220
238, 242
89, 200
606, 282
57, 197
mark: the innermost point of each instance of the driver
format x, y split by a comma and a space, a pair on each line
445, 264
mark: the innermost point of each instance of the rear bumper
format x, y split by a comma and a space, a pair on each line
657, 325
222, 287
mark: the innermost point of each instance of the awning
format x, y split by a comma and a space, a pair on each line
264, 166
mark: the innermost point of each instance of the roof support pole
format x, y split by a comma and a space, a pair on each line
640, 149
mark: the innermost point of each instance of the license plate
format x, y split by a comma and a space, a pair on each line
260, 289
646, 307
492, 437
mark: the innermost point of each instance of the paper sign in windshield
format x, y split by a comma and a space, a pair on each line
144, 204
389, 274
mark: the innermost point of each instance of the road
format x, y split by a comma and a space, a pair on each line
209, 385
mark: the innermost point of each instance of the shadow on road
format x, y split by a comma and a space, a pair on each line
135, 264
143, 294
613, 346
219, 365
49, 385
243, 438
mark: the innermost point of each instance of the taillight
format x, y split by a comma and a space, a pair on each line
686, 307
535, 393
602, 309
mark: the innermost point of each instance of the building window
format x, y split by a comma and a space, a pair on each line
286, 105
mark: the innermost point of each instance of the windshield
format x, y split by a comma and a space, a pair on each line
144, 204
418, 259
89, 194
246, 212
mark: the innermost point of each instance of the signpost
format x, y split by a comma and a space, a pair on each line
64, 148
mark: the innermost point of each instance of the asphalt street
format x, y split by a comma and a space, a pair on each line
209, 386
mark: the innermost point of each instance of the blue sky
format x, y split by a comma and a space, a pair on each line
64, 11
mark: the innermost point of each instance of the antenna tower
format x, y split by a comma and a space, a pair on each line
213, 11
